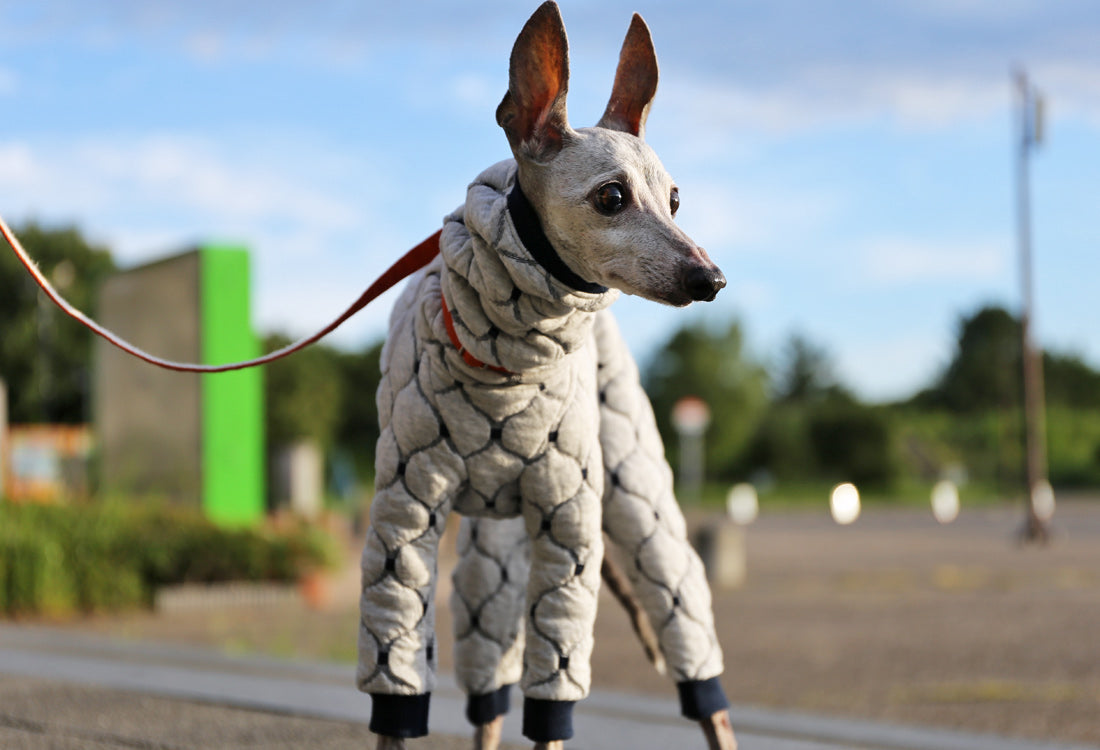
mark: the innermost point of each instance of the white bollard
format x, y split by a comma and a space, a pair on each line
844, 503
721, 546
945, 501
1042, 500
742, 504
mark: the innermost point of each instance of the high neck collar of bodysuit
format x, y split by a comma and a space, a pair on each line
529, 228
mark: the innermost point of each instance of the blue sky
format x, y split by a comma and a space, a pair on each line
848, 164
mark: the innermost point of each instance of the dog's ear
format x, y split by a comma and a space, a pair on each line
635, 82
533, 111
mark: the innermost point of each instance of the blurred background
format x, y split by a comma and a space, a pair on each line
866, 174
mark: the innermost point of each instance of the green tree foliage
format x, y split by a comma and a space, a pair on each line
710, 363
45, 357
852, 442
816, 429
980, 391
985, 371
358, 431
303, 394
1070, 381
805, 374
325, 395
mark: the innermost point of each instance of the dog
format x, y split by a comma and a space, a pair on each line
508, 396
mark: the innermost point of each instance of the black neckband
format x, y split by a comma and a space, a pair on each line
535, 240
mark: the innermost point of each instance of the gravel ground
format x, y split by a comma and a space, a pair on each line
893, 618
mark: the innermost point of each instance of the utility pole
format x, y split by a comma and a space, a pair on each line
1030, 136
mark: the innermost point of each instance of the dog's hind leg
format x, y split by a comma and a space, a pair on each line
487, 601
643, 520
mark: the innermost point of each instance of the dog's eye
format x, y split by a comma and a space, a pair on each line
674, 200
610, 198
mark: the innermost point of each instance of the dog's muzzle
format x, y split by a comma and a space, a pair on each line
703, 284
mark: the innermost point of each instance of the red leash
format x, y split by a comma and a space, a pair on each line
452, 334
411, 262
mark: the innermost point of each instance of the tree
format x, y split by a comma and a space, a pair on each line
805, 374
815, 428
303, 394
712, 365
985, 371
45, 357
853, 442
358, 431
325, 395
1070, 381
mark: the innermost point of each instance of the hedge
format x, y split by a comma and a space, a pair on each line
57, 559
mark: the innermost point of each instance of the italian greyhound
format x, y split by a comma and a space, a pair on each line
508, 396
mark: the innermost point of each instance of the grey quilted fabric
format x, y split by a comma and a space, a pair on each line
537, 447
641, 517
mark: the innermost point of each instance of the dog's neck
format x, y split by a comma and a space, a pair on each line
515, 304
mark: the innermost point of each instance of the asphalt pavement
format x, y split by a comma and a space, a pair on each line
63, 690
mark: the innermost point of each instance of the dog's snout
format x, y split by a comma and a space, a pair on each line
703, 284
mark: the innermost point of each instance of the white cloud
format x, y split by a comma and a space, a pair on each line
840, 94
1069, 89
718, 214
17, 163
9, 82
205, 46
314, 250
188, 172
910, 96
896, 261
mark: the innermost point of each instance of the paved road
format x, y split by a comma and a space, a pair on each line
62, 691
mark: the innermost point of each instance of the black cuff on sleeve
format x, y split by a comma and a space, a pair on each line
546, 721
481, 709
399, 715
699, 699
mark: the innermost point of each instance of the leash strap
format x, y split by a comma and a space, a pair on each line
408, 264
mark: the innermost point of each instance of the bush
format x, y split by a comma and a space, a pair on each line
56, 559
853, 443
33, 577
836, 441
1073, 446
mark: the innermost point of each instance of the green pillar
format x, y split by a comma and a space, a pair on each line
232, 402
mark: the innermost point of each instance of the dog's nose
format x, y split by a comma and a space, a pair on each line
702, 284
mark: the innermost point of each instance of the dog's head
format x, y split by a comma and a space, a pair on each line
605, 201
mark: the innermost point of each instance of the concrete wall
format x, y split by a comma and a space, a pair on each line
299, 478
148, 420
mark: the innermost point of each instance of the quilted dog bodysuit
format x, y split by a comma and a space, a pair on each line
509, 396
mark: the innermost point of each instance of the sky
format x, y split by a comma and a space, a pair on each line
849, 164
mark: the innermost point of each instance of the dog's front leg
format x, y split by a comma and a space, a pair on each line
645, 523
418, 476
561, 509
